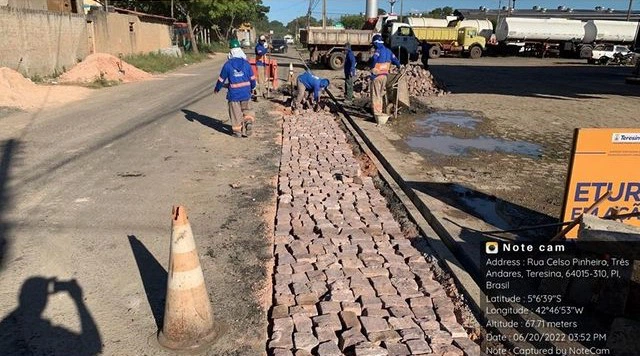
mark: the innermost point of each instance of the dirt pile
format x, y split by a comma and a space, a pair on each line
19, 92
102, 66
421, 82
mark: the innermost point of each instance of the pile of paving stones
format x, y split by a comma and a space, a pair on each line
421, 82
346, 280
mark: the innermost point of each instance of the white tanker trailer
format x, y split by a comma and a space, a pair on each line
562, 37
607, 32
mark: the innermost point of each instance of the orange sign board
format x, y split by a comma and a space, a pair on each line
603, 159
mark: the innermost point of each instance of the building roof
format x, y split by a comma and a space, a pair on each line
576, 14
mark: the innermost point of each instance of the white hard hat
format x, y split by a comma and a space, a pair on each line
263, 38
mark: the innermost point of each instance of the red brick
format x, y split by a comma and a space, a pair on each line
469, 347
307, 298
304, 341
371, 324
402, 323
411, 334
418, 346
279, 311
325, 334
396, 349
329, 348
369, 349
383, 313
280, 339
330, 321
352, 307
350, 338
387, 335
330, 307
400, 312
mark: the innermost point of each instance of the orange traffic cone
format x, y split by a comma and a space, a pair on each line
188, 320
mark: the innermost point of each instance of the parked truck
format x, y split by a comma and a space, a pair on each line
560, 37
458, 39
326, 45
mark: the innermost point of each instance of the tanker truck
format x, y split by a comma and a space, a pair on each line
538, 37
599, 32
558, 36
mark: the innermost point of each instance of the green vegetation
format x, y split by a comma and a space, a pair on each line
213, 47
161, 63
439, 12
221, 15
102, 82
355, 22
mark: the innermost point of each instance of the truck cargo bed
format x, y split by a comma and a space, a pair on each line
335, 36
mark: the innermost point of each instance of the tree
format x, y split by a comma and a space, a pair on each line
224, 14
381, 11
439, 12
352, 21
301, 22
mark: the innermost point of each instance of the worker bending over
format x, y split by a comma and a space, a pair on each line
237, 71
308, 84
380, 67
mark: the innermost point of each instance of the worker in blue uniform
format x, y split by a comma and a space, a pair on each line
380, 66
309, 85
349, 73
262, 48
238, 73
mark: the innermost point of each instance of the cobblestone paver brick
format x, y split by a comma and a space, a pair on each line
346, 281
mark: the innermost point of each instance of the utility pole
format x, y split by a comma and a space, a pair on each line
401, 6
171, 8
629, 11
309, 13
324, 14
392, 2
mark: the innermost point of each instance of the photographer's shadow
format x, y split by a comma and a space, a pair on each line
25, 332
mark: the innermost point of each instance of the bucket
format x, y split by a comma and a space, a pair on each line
381, 119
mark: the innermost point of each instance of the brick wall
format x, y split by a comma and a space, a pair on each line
41, 42
126, 34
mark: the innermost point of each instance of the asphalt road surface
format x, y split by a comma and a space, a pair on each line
86, 192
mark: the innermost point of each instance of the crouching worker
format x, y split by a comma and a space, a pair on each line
237, 71
309, 85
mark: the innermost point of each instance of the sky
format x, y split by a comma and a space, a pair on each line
286, 10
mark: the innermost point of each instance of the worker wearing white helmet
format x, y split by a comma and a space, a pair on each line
261, 52
380, 66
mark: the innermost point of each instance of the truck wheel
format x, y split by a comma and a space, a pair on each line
435, 52
586, 52
475, 52
336, 60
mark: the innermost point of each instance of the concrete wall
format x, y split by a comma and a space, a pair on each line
28, 4
41, 42
126, 34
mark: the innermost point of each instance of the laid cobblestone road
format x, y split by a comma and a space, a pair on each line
346, 280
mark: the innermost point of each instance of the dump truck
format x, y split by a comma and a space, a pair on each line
326, 45
458, 39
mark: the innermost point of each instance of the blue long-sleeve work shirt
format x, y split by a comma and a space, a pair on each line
311, 82
381, 61
241, 79
349, 64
